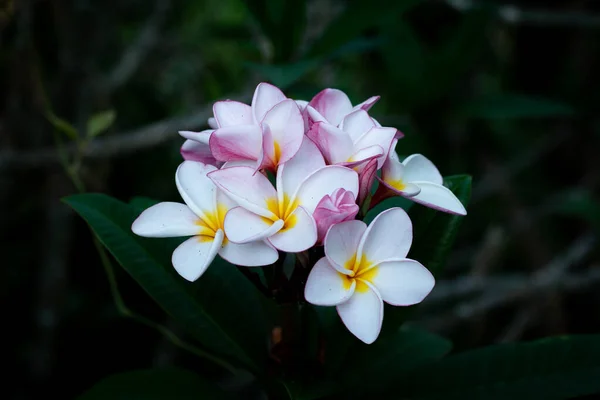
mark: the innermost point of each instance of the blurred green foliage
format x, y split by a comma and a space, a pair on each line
510, 99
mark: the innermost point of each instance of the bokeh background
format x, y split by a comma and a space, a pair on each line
506, 92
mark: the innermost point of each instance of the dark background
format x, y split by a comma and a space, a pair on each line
506, 93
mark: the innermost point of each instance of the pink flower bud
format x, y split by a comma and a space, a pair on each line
340, 206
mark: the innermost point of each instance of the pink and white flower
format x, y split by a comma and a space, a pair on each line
332, 105
366, 266
269, 132
201, 217
417, 179
355, 142
339, 207
283, 214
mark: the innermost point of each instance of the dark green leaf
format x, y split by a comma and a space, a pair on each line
376, 366
62, 126
154, 384
100, 122
358, 17
222, 309
435, 231
514, 106
283, 76
553, 368
141, 203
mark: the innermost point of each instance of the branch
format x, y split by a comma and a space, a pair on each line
146, 137
514, 15
497, 292
135, 53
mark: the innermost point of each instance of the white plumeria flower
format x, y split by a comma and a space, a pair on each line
365, 266
283, 215
201, 217
417, 179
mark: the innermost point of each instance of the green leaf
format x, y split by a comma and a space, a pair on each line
100, 122
283, 76
222, 309
552, 368
434, 231
283, 22
514, 106
154, 384
141, 203
358, 17
376, 366
62, 126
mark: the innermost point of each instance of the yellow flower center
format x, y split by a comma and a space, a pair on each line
211, 222
363, 271
283, 210
397, 184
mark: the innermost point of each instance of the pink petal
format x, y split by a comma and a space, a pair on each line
335, 144
367, 104
286, 128
231, 113
366, 177
382, 137
356, 124
333, 104
266, 96
196, 151
323, 182
329, 213
241, 142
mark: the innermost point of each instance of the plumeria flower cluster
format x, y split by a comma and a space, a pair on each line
283, 175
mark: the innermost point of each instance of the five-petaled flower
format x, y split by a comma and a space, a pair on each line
282, 214
417, 179
202, 218
365, 266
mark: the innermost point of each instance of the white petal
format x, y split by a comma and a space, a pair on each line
438, 197
327, 287
363, 313
298, 234
242, 226
402, 282
356, 124
291, 174
382, 137
193, 256
401, 188
265, 97
364, 155
367, 104
230, 113
195, 188
418, 168
212, 122
166, 220
341, 243
324, 182
388, 236
301, 104
253, 191
251, 254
